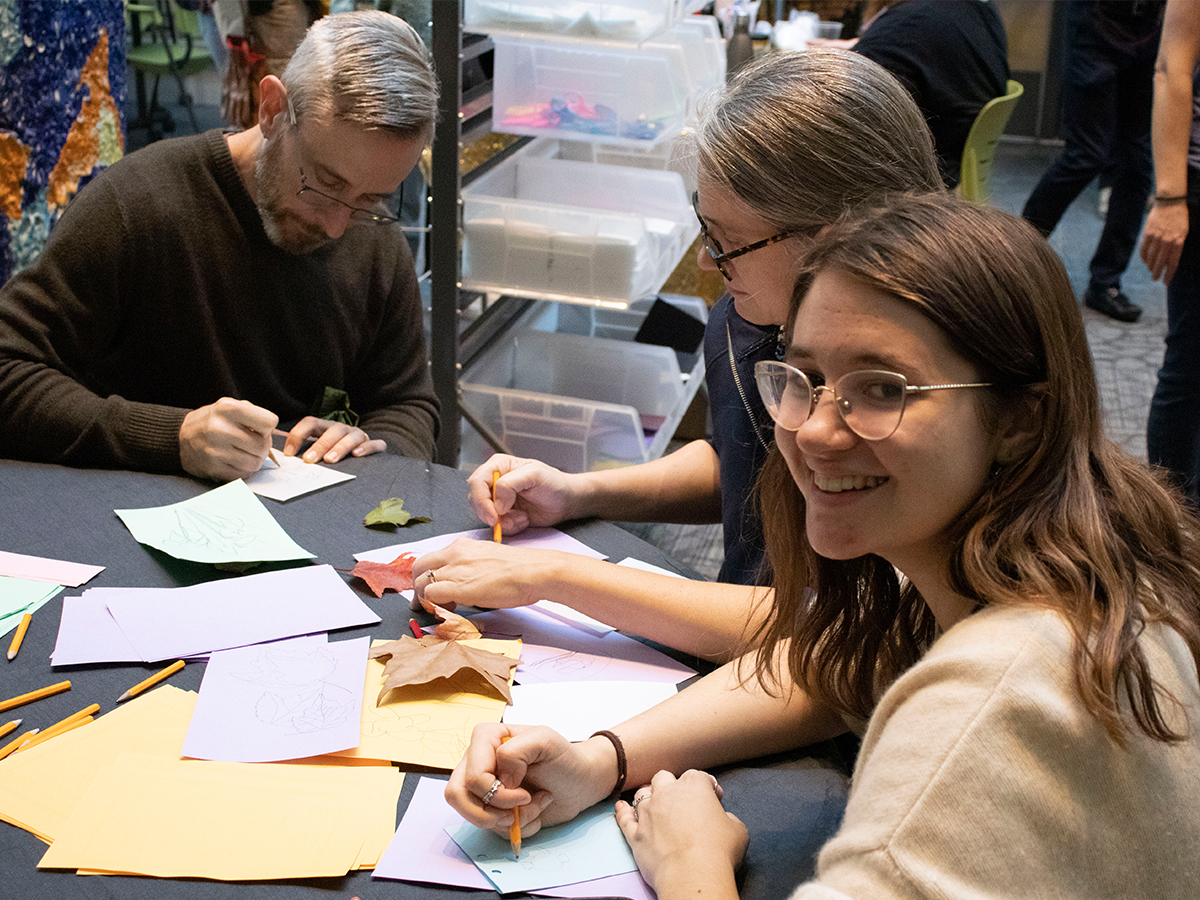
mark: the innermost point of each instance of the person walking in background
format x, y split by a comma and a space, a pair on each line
1108, 78
1170, 246
953, 58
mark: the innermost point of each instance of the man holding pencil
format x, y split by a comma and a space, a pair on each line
206, 289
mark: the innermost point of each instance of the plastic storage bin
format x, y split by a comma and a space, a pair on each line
618, 94
574, 231
611, 20
575, 401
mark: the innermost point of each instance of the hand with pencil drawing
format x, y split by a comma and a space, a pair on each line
534, 766
529, 493
332, 441
225, 440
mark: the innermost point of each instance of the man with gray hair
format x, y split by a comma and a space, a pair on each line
206, 289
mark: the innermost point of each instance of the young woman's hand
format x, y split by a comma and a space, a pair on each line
529, 766
684, 842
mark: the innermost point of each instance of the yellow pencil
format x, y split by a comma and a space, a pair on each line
19, 636
514, 830
54, 731
34, 695
16, 742
152, 680
69, 720
11, 726
497, 536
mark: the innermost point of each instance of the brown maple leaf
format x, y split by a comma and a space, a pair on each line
396, 575
413, 661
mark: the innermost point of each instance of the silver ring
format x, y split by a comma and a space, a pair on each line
643, 793
432, 573
491, 792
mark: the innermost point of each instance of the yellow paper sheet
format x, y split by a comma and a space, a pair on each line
228, 821
40, 787
425, 725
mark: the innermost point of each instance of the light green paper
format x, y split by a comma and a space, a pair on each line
228, 524
589, 846
19, 596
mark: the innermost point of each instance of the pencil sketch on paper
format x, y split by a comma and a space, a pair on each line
428, 726
299, 696
198, 528
568, 663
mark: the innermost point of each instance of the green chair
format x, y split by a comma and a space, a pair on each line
981, 143
165, 40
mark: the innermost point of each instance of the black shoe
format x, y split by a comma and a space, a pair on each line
1112, 303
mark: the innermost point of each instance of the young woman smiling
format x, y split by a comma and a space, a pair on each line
960, 557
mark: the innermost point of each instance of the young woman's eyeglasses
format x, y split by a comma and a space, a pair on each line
382, 213
871, 401
719, 256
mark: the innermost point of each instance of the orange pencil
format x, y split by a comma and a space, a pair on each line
34, 695
17, 742
497, 536
19, 636
152, 680
10, 726
54, 731
514, 830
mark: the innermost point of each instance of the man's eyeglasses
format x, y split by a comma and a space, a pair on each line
719, 256
382, 213
871, 402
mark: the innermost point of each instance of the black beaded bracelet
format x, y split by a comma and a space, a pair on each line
1182, 198
622, 768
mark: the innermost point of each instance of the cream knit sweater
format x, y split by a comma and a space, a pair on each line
981, 775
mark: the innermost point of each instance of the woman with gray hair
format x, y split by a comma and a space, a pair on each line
789, 144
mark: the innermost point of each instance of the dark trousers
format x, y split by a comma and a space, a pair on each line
1108, 92
1173, 432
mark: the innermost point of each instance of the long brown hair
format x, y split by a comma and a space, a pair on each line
1074, 524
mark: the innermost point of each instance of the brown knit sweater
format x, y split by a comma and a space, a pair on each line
159, 292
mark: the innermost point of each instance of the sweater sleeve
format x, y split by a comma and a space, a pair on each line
57, 318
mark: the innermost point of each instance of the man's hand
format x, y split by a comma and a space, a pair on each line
226, 440
334, 441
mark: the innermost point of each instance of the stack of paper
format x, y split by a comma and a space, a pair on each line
582, 858
151, 624
424, 725
145, 815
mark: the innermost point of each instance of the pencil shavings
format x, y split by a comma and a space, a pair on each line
380, 577
469, 669
392, 512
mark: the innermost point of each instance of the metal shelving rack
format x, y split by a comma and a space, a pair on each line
463, 117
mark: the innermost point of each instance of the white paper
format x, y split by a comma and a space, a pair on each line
579, 709
291, 476
167, 623
554, 651
282, 700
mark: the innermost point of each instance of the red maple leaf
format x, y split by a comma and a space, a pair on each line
396, 575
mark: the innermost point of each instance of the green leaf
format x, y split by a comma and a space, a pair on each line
392, 512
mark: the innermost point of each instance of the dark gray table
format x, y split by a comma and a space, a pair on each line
68, 514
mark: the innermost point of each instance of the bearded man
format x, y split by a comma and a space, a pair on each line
208, 290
